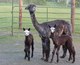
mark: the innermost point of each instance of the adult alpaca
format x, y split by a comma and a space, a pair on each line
29, 43
44, 30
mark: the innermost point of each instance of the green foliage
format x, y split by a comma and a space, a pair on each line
77, 3
38, 2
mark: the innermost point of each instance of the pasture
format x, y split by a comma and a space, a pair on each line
11, 47
43, 14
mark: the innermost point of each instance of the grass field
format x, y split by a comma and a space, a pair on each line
41, 14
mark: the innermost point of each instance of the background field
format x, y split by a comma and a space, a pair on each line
11, 47
43, 14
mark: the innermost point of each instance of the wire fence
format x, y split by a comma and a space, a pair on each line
9, 17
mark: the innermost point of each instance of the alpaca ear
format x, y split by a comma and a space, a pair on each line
28, 29
55, 25
49, 26
23, 29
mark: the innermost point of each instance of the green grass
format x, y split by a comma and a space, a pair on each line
41, 15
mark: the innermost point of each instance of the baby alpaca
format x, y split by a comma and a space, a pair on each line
62, 40
29, 43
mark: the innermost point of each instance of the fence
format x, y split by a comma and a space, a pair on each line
9, 17
44, 14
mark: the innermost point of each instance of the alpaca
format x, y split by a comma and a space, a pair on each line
29, 43
44, 30
62, 40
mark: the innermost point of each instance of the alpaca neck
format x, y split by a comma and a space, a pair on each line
33, 18
37, 26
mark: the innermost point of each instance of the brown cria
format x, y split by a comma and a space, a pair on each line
29, 43
59, 40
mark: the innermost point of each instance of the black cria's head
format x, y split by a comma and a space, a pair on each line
26, 31
31, 8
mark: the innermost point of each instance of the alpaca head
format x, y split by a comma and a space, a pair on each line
31, 8
26, 31
52, 29
54, 32
57, 30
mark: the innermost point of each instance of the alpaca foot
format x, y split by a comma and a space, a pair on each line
62, 56
32, 56
73, 61
50, 61
42, 58
46, 60
25, 57
29, 59
69, 59
57, 61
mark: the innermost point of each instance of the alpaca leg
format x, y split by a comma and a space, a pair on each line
73, 52
25, 53
47, 54
29, 55
43, 50
48, 48
64, 51
53, 53
32, 49
73, 58
57, 53
69, 55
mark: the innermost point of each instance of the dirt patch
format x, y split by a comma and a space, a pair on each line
13, 54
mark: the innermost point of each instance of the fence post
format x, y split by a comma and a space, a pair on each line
20, 14
12, 19
47, 13
72, 14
